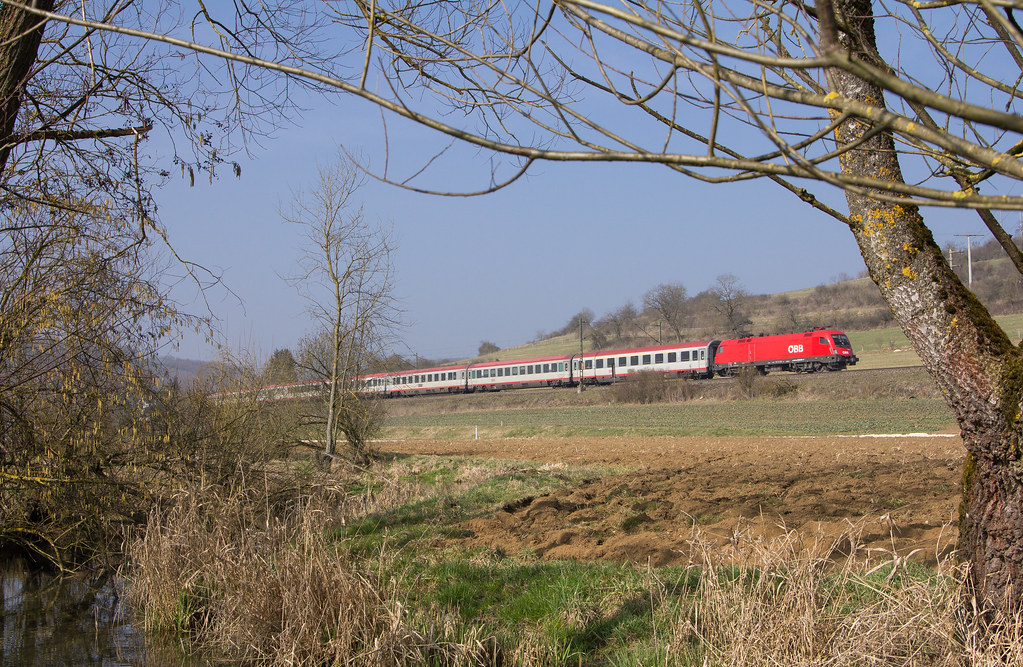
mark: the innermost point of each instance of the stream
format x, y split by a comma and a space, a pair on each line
71, 620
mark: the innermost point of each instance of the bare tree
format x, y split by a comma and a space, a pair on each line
725, 92
622, 320
346, 279
730, 295
668, 302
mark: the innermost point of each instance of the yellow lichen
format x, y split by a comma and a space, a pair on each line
909, 272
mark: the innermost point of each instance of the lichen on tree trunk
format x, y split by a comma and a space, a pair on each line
971, 359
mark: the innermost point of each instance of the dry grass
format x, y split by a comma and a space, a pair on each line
788, 603
249, 578
221, 571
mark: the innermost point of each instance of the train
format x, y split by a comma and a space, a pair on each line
807, 352
818, 350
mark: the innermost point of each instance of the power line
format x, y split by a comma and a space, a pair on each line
969, 255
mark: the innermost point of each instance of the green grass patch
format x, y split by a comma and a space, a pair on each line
738, 418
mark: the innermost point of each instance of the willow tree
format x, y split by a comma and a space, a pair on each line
84, 305
898, 104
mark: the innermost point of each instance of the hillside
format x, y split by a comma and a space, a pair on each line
853, 305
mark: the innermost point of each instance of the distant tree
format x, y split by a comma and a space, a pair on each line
730, 298
281, 367
668, 302
622, 320
486, 347
346, 279
584, 317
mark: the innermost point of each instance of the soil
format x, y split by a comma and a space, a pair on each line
884, 496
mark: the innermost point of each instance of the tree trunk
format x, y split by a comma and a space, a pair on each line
971, 359
20, 34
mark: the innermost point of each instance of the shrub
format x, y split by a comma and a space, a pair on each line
747, 382
650, 387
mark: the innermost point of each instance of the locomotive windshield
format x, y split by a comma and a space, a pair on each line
841, 340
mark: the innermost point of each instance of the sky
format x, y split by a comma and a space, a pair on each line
501, 267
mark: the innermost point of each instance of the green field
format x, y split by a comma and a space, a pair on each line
735, 418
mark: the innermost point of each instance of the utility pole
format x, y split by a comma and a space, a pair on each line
969, 255
582, 364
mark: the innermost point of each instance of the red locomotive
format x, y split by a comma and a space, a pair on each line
807, 352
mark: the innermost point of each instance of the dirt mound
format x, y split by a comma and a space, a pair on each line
890, 494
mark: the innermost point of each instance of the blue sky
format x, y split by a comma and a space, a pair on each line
504, 266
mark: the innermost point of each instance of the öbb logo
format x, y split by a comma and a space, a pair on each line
795, 349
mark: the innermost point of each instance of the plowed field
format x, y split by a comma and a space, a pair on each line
892, 494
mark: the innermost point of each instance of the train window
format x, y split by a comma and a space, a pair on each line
658, 358
600, 363
589, 364
522, 370
515, 370
561, 366
684, 355
622, 361
546, 368
646, 358
500, 372
634, 360
823, 340
703, 355
672, 357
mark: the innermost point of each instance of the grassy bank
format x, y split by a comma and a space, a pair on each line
367, 569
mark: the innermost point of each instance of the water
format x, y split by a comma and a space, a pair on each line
71, 620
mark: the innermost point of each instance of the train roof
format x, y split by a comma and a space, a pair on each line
650, 348
516, 362
799, 334
434, 369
